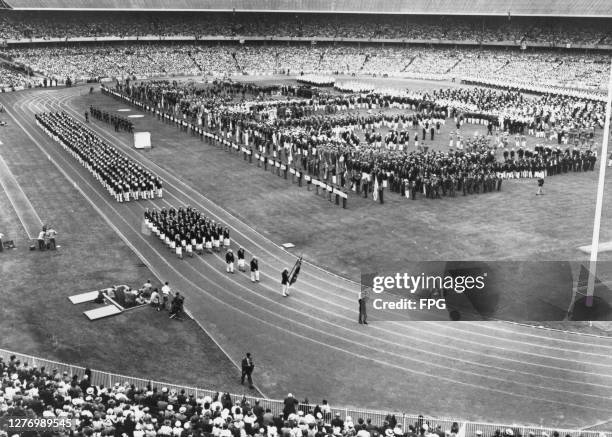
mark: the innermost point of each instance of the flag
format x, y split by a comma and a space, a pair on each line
144, 229
295, 271
375, 190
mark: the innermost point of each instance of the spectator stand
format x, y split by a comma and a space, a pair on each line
378, 418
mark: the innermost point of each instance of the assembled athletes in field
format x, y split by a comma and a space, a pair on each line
124, 178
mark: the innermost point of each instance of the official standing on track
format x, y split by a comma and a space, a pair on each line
247, 370
363, 300
254, 270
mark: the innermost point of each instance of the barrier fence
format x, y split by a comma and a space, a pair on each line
107, 379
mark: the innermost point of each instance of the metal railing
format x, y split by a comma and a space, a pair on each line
108, 379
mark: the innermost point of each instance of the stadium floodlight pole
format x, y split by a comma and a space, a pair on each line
599, 203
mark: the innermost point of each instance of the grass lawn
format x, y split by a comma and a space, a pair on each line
36, 317
511, 224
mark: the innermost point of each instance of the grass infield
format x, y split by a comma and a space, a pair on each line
36, 316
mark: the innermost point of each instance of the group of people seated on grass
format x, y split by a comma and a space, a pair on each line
22, 25
547, 71
161, 298
123, 178
124, 409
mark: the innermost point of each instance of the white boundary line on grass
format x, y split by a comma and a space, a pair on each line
127, 242
9, 175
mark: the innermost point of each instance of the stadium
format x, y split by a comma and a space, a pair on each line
206, 205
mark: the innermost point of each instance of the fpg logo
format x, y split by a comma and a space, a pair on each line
427, 304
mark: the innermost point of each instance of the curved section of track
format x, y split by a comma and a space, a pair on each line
310, 344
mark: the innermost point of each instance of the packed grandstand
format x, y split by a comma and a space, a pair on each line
539, 77
518, 51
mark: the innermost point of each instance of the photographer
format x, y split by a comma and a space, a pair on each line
176, 307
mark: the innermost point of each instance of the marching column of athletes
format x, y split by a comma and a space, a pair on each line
124, 178
118, 122
188, 231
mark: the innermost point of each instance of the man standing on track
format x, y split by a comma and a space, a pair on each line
247, 369
254, 270
363, 300
241, 264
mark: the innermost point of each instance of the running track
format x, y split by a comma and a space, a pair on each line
310, 343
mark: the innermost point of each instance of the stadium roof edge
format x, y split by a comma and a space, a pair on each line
551, 8
446, 13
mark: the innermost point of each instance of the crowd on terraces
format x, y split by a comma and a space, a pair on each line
513, 68
20, 25
124, 409
11, 79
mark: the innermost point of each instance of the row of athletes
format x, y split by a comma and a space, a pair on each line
187, 231
124, 178
433, 186
118, 122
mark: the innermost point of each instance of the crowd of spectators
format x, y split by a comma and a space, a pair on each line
20, 25
513, 67
11, 79
124, 409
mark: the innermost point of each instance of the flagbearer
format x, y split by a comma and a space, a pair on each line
290, 278
285, 282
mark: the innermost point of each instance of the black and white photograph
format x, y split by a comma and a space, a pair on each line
305, 218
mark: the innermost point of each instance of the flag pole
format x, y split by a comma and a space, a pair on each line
599, 203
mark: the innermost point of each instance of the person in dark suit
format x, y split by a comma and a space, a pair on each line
289, 405
540, 187
247, 369
363, 299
